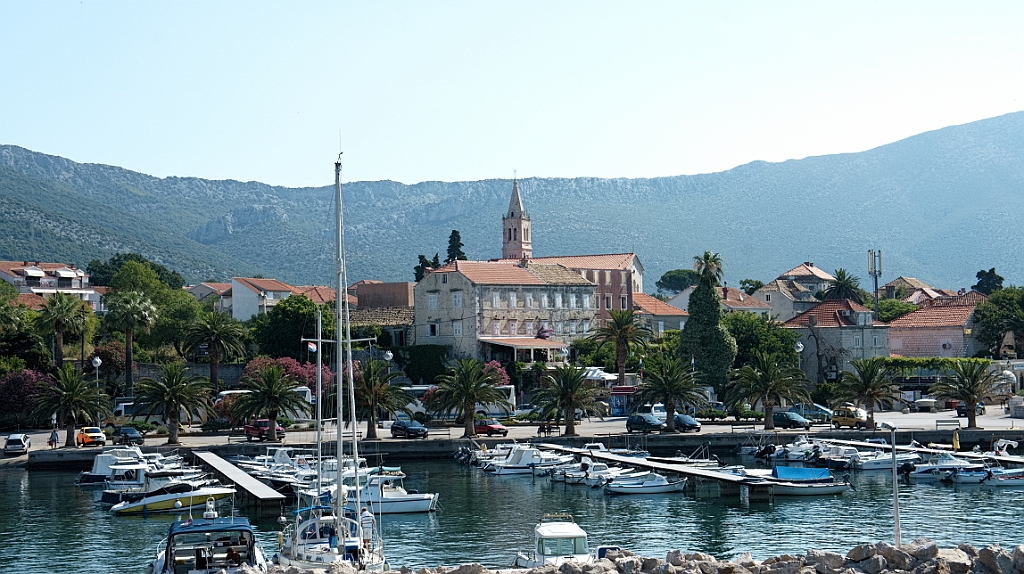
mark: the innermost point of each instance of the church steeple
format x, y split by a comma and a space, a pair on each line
515, 240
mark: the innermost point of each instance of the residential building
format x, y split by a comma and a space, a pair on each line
732, 300
208, 288
397, 321
251, 296
386, 295
914, 291
618, 278
945, 328
657, 315
45, 279
504, 309
786, 297
833, 333
809, 276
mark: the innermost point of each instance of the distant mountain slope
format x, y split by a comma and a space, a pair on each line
940, 205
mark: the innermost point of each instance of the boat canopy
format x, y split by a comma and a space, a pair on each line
796, 473
201, 525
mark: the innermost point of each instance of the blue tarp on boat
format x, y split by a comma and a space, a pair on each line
801, 474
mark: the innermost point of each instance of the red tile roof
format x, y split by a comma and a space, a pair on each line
737, 299
605, 261
101, 290
830, 314
320, 294
648, 305
951, 312
13, 267
807, 269
31, 300
218, 288
259, 285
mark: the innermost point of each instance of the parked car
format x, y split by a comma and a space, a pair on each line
260, 429
961, 409
812, 411
489, 427
127, 435
17, 444
524, 410
408, 429
788, 420
657, 409
644, 423
686, 423
90, 436
849, 416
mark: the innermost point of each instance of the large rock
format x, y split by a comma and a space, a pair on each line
895, 557
745, 560
996, 560
732, 568
675, 557
873, 564
921, 549
629, 565
1018, 558
828, 559
708, 567
783, 567
700, 557
341, 568
968, 549
601, 566
956, 561
861, 553
566, 568
650, 564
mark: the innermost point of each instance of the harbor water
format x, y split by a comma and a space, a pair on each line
49, 525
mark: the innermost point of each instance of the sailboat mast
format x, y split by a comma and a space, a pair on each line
319, 401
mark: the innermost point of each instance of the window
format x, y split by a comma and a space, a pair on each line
856, 341
558, 300
512, 300
874, 340
431, 300
572, 300
529, 301
496, 327
512, 328
767, 297
544, 301
444, 278
607, 277
529, 328
607, 301
558, 327
431, 329
495, 300
457, 299
661, 327
572, 327
622, 301
457, 328
586, 302
586, 326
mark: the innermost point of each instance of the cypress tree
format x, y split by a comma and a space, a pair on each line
455, 247
704, 340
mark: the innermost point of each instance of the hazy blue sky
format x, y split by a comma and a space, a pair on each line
472, 90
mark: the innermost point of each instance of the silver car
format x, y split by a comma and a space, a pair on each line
17, 444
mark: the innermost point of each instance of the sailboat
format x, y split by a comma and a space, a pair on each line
322, 535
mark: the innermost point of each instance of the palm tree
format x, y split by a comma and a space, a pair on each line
376, 391
71, 399
175, 392
844, 286
567, 389
222, 335
271, 392
463, 386
59, 315
130, 311
708, 268
970, 382
623, 332
869, 384
670, 382
765, 379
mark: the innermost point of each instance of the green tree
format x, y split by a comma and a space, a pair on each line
72, 399
758, 332
8, 292
566, 390
179, 311
769, 381
102, 272
455, 247
671, 382
425, 264
995, 317
222, 336
869, 384
844, 286
676, 280
130, 312
27, 345
59, 315
280, 331
971, 382
139, 277
271, 392
889, 309
376, 391
988, 282
704, 341
750, 286
462, 387
624, 333
174, 393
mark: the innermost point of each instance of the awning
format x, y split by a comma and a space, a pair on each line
33, 272
526, 343
65, 272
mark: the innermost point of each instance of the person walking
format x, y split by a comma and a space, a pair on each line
53, 439
367, 524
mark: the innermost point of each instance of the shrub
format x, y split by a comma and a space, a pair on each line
712, 414
742, 414
142, 426
214, 426
285, 422
161, 430
422, 418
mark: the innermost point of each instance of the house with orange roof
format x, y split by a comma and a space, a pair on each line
507, 309
45, 279
786, 297
207, 288
833, 333
917, 292
732, 300
810, 277
945, 328
657, 315
250, 296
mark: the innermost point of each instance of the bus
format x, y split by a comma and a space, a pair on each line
489, 410
307, 395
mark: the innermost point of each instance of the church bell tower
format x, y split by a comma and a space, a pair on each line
515, 241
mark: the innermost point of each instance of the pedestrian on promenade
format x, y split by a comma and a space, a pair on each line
53, 439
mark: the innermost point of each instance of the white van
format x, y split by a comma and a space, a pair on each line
657, 409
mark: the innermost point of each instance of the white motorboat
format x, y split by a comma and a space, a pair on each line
882, 460
558, 539
654, 484
161, 501
208, 545
1014, 480
523, 459
385, 494
799, 481
937, 465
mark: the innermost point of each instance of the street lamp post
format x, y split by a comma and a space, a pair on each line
895, 485
96, 362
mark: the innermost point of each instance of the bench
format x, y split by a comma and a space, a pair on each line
954, 423
548, 430
743, 427
440, 430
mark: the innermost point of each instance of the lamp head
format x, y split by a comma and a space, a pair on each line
388, 355
96, 362
799, 347
888, 425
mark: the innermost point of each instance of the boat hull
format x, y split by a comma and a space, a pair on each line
173, 502
812, 489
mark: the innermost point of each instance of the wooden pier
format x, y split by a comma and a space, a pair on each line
252, 494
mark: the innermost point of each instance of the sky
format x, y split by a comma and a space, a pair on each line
455, 91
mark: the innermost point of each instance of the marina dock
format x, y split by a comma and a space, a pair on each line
252, 493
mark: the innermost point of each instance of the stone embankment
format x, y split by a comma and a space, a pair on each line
922, 556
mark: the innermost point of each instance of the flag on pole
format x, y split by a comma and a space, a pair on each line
312, 347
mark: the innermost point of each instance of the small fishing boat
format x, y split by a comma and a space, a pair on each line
882, 460
937, 465
558, 539
210, 544
799, 481
160, 501
654, 484
385, 494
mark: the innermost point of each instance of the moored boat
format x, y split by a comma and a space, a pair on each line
558, 539
208, 545
160, 501
654, 484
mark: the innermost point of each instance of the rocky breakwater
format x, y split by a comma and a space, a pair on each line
922, 556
